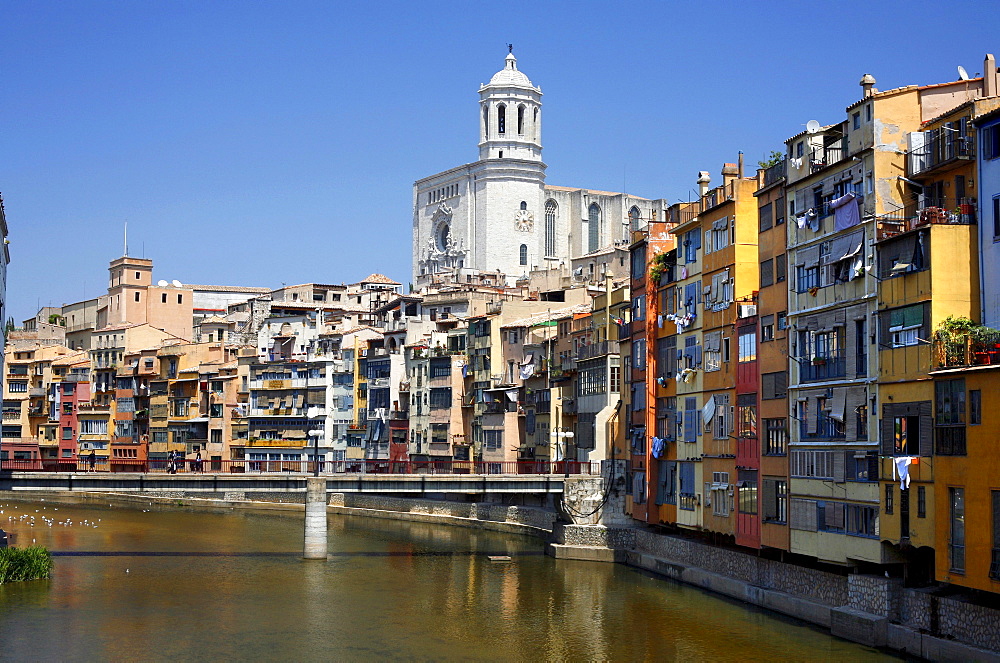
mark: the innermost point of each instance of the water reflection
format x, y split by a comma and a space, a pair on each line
233, 586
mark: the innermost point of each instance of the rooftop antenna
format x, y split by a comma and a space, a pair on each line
126, 238
963, 75
812, 126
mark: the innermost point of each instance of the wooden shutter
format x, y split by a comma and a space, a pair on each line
886, 433
770, 499
803, 515
840, 466
926, 440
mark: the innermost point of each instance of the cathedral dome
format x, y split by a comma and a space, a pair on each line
509, 75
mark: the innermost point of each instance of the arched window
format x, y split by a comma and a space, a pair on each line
593, 228
535, 125
524, 205
501, 119
524, 254
550, 228
486, 122
520, 120
634, 218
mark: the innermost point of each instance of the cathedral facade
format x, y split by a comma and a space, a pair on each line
497, 214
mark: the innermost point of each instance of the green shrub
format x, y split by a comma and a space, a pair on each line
29, 563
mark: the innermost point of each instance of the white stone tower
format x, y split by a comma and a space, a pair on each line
511, 110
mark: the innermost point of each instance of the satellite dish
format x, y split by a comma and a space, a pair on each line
177, 284
963, 75
162, 283
812, 126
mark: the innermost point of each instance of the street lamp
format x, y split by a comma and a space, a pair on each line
312, 413
561, 433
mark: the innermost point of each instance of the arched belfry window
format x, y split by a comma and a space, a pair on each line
524, 205
634, 219
535, 126
593, 228
486, 122
550, 228
501, 119
520, 120
524, 254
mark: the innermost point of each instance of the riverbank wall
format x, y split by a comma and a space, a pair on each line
871, 610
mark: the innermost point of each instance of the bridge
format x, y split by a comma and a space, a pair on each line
283, 482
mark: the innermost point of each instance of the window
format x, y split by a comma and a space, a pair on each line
550, 228
995, 565
639, 308
956, 543
799, 149
17, 387
692, 242
93, 427
719, 494
775, 437
906, 433
812, 464
975, 406
137, 296
890, 492
774, 499
501, 119
523, 254
67, 433
767, 273
996, 209
862, 520
921, 502
163, 298
746, 418
520, 122
766, 213
492, 439
593, 228
767, 328
748, 491
782, 321
180, 299
125, 405
747, 346
991, 142
634, 219
808, 277
949, 405
723, 424
779, 268
856, 118
774, 385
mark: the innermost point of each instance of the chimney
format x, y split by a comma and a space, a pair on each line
867, 84
703, 179
990, 76
729, 173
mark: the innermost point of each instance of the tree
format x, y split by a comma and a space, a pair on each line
772, 160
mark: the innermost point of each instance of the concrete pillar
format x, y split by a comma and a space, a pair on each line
315, 544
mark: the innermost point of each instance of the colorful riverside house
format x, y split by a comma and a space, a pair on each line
598, 367
772, 361
653, 240
662, 462
64, 406
927, 266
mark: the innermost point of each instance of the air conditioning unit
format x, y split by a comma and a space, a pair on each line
748, 310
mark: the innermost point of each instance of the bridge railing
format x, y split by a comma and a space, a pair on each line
302, 467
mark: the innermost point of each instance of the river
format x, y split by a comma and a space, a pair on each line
183, 585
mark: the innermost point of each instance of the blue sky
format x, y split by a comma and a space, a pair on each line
252, 143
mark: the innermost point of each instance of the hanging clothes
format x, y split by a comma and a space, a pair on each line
901, 467
658, 447
845, 212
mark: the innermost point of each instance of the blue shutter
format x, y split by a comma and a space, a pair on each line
696, 238
687, 478
697, 355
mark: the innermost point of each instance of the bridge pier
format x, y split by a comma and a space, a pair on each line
315, 525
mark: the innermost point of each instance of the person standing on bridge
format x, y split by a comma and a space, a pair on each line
92, 459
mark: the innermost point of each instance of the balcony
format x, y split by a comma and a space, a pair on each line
774, 173
827, 155
597, 350
942, 211
942, 148
36, 392
399, 415
983, 350
815, 369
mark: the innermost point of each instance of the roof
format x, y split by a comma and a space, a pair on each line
548, 316
228, 288
510, 75
553, 187
74, 358
380, 278
215, 319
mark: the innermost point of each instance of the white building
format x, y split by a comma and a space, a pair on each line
497, 213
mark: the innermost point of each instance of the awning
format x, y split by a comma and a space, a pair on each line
846, 246
529, 358
837, 403
720, 224
512, 395
809, 257
198, 420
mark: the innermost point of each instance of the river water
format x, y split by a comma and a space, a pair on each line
182, 585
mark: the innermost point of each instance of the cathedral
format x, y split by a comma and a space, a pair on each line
497, 214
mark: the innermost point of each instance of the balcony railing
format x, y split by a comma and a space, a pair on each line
813, 369
597, 350
826, 429
942, 147
821, 157
943, 211
984, 350
774, 173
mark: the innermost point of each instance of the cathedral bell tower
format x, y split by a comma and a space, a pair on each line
510, 122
